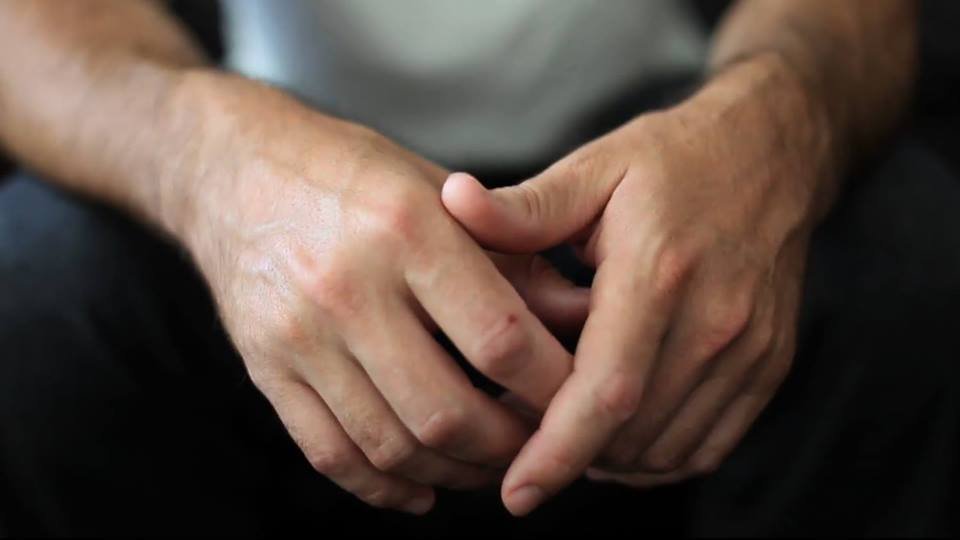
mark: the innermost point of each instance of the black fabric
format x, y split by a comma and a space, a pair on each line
936, 111
123, 408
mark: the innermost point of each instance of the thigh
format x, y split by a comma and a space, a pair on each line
123, 407
125, 410
864, 437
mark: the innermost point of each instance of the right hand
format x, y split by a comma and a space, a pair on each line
331, 257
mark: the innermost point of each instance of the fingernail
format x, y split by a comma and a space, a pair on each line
420, 505
460, 177
523, 500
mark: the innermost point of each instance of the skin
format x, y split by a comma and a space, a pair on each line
697, 219
330, 262
332, 257
326, 246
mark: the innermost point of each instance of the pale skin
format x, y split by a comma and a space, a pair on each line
333, 255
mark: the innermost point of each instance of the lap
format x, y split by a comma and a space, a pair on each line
124, 408
122, 405
864, 437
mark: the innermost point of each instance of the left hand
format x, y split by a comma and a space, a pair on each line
697, 220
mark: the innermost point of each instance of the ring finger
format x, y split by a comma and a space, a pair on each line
375, 428
332, 454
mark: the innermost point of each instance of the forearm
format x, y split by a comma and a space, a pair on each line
854, 59
84, 87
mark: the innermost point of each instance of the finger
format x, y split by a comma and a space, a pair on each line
737, 419
556, 301
432, 397
766, 377
487, 320
689, 430
731, 373
531, 216
709, 322
715, 335
332, 454
638, 480
521, 408
369, 421
560, 305
616, 352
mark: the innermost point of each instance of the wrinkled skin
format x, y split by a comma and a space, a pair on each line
699, 239
333, 262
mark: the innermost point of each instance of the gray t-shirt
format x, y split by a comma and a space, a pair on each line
491, 81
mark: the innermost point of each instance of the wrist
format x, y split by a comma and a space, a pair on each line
766, 95
214, 116
203, 111
244, 148
181, 159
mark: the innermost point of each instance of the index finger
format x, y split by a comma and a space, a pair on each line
487, 320
616, 353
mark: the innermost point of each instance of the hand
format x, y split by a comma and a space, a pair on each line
697, 220
330, 256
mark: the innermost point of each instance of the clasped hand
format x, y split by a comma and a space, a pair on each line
338, 256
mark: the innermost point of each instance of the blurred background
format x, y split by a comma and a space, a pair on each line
936, 112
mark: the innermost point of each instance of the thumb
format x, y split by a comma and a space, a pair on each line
532, 216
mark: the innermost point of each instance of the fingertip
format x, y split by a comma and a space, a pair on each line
523, 500
464, 178
520, 491
460, 190
422, 503
467, 201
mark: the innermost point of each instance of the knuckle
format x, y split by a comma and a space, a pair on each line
499, 352
723, 323
620, 396
392, 453
671, 269
397, 218
334, 292
272, 383
444, 428
533, 204
331, 462
282, 326
325, 284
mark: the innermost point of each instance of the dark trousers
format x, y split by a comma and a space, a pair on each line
124, 408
